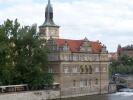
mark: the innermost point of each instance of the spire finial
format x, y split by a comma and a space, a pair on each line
49, 15
48, 1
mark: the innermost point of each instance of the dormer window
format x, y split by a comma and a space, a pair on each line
65, 47
104, 50
85, 47
82, 49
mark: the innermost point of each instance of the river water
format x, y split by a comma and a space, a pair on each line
116, 96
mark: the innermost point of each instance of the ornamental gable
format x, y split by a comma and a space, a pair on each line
76, 46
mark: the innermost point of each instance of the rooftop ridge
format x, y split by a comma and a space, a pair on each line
76, 40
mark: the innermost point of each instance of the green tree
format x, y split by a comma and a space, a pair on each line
23, 56
124, 65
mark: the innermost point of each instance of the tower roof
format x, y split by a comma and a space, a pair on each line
49, 15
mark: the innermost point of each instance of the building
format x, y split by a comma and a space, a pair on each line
127, 50
113, 56
49, 28
80, 66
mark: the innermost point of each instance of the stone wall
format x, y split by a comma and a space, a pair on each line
49, 94
34, 95
112, 88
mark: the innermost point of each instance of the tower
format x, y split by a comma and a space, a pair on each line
49, 28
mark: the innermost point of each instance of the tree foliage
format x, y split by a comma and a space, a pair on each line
23, 57
124, 65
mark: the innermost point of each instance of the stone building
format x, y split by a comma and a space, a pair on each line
49, 28
127, 50
113, 56
79, 66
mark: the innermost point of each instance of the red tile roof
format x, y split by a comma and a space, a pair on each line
74, 45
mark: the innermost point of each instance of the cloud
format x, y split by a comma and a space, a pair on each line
109, 21
14, 1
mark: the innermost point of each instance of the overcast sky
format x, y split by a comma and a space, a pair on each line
109, 21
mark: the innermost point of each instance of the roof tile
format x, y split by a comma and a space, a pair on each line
74, 45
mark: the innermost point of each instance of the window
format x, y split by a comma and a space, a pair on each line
74, 70
83, 83
81, 69
75, 57
53, 57
90, 69
96, 81
65, 48
74, 83
54, 48
90, 82
86, 69
65, 69
104, 69
85, 57
82, 48
81, 57
89, 49
70, 57
62, 57
97, 69
50, 70
66, 57
61, 49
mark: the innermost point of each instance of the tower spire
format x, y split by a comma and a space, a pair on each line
49, 15
48, 1
49, 28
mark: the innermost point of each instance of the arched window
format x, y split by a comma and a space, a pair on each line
86, 69
90, 69
81, 69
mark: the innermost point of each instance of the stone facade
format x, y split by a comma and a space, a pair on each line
112, 88
127, 50
80, 72
47, 32
31, 95
80, 66
113, 56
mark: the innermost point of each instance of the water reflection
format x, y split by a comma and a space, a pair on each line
116, 96
121, 96
93, 97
